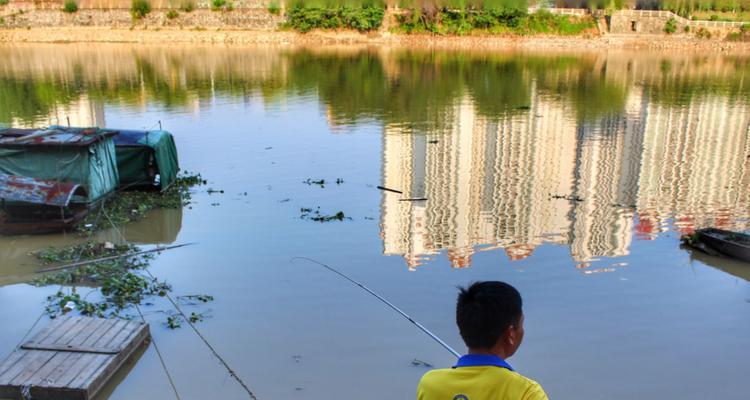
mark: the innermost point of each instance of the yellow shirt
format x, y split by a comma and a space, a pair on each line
478, 381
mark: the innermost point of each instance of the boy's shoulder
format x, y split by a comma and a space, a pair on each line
439, 380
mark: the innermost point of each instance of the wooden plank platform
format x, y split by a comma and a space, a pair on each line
71, 359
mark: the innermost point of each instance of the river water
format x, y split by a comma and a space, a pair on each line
571, 176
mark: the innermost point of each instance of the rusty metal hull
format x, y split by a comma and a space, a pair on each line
13, 226
35, 206
21, 189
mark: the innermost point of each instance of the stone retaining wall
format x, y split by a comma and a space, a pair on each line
253, 14
653, 22
259, 19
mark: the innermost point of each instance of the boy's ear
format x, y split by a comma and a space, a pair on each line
511, 336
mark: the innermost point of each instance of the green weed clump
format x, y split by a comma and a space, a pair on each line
305, 17
140, 8
130, 206
172, 14
221, 5
70, 6
743, 35
670, 26
703, 33
187, 6
274, 8
123, 283
4, 2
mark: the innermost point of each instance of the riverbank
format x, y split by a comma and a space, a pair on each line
288, 38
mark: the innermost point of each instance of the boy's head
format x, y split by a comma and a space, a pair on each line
490, 317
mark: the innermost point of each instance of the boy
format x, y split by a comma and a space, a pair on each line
490, 321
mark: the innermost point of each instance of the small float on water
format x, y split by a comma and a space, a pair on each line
52, 177
720, 242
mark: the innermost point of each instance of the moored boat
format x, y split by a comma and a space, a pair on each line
84, 156
52, 177
146, 159
732, 244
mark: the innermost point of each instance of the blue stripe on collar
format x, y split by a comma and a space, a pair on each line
477, 360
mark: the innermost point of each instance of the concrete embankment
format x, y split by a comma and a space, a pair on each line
258, 26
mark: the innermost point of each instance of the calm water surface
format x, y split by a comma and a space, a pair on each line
570, 176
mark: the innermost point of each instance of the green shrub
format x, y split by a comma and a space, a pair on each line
713, 17
4, 2
221, 5
274, 8
543, 21
140, 8
743, 35
670, 26
306, 18
188, 6
703, 33
70, 6
734, 37
494, 20
686, 29
172, 14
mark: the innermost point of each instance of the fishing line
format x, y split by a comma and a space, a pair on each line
210, 347
382, 299
197, 332
161, 359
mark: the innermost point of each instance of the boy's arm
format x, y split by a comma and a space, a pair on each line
420, 390
534, 392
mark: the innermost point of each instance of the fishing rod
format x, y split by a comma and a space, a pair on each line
382, 299
87, 262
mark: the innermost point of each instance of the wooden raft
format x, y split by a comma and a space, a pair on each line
72, 358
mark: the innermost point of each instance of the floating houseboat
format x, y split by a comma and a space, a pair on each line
52, 177
86, 163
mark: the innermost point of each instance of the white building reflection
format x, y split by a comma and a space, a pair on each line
82, 112
539, 176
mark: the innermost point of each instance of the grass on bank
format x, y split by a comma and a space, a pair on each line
450, 17
738, 16
494, 21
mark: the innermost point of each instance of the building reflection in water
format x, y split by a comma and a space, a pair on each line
603, 149
78, 112
542, 176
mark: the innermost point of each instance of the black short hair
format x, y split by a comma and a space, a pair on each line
485, 310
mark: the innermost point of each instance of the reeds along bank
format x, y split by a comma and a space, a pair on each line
674, 5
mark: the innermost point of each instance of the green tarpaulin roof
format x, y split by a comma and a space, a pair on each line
142, 154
